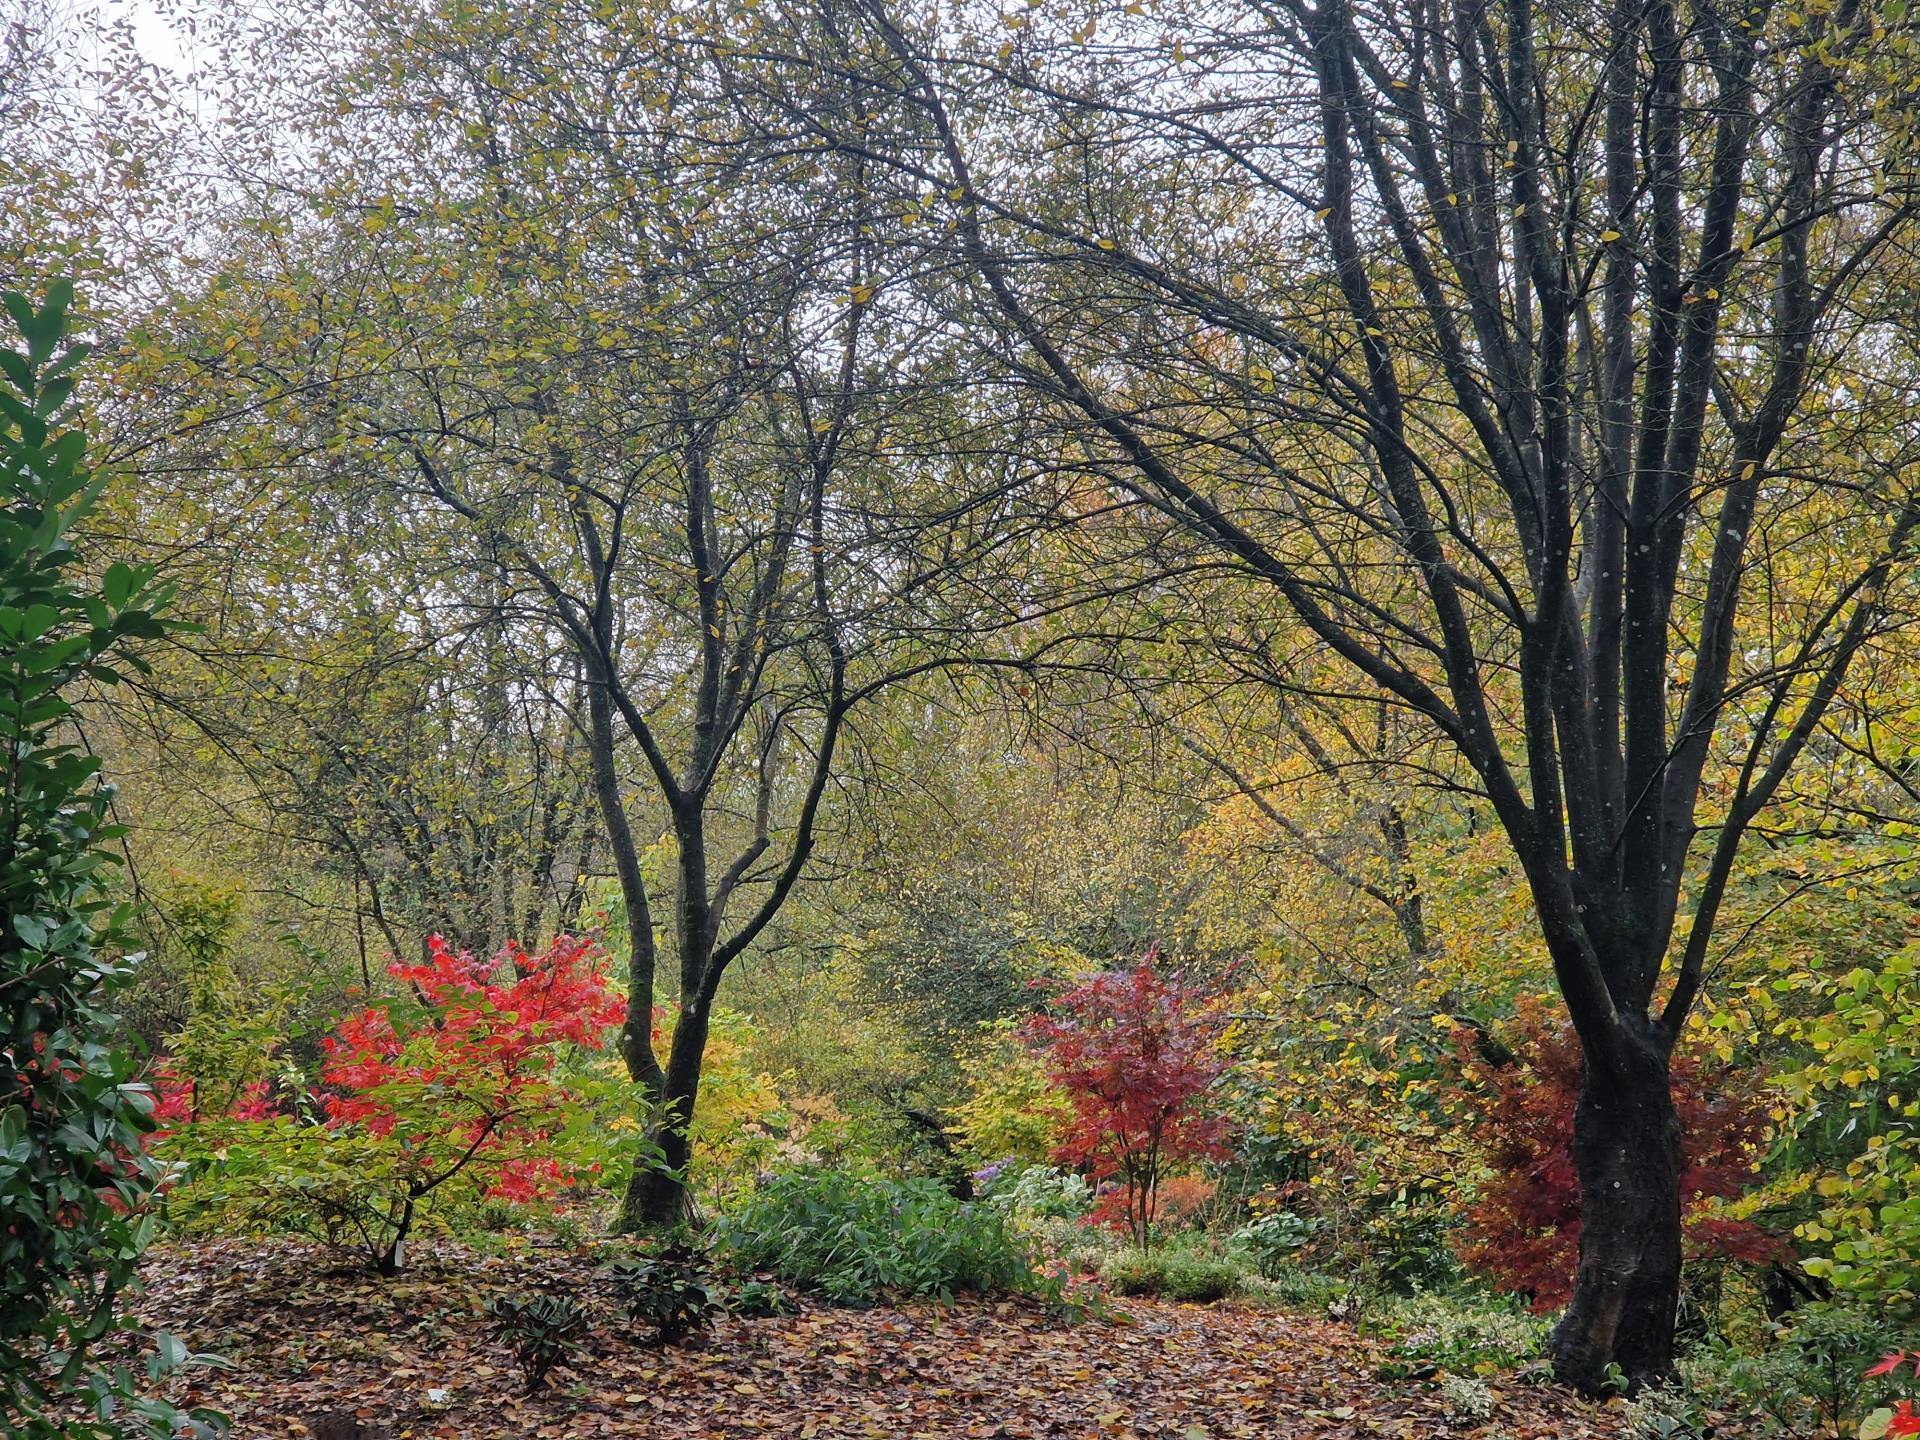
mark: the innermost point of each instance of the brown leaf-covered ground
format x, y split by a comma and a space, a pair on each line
311, 1337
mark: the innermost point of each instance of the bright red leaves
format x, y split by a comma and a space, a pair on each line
472, 1058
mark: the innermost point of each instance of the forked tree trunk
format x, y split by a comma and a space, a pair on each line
1626, 1151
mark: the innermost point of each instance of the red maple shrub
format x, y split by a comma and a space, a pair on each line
455, 1079
1522, 1230
1136, 1053
468, 1032
481, 1053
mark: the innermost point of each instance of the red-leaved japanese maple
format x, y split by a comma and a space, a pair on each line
1523, 1228
464, 1079
453, 1079
1136, 1053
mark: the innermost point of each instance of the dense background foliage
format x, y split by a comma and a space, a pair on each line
656, 649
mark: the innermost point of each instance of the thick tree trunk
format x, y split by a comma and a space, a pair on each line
1626, 1150
656, 1196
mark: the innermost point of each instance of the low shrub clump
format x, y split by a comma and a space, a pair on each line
667, 1291
1468, 1401
1819, 1376
1406, 1244
543, 1331
759, 1300
1046, 1207
1134, 1272
1275, 1240
853, 1239
1033, 1193
1461, 1336
1664, 1412
1186, 1272
1295, 1288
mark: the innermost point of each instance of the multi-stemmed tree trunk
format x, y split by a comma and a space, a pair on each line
759, 621
731, 680
1542, 365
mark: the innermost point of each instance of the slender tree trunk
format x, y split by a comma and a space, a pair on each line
636, 1034
1626, 1150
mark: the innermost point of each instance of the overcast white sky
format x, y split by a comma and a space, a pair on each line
160, 39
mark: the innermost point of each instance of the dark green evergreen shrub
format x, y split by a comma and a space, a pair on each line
76, 1184
542, 1330
667, 1290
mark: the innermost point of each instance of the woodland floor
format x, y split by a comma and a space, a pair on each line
309, 1337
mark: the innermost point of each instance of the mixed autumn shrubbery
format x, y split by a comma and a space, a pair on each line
474, 1083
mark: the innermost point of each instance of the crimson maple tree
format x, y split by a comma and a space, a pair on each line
481, 1052
1523, 1228
1136, 1054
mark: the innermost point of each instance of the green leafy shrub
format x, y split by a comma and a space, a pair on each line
1461, 1335
75, 1183
1408, 1245
1135, 1272
854, 1238
1200, 1279
1855, 1105
1665, 1412
1294, 1288
667, 1290
1188, 1272
1275, 1240
1034, 1192
542, 1330
759, 1300
1080, 1247
1468, 1401
1812, 1383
